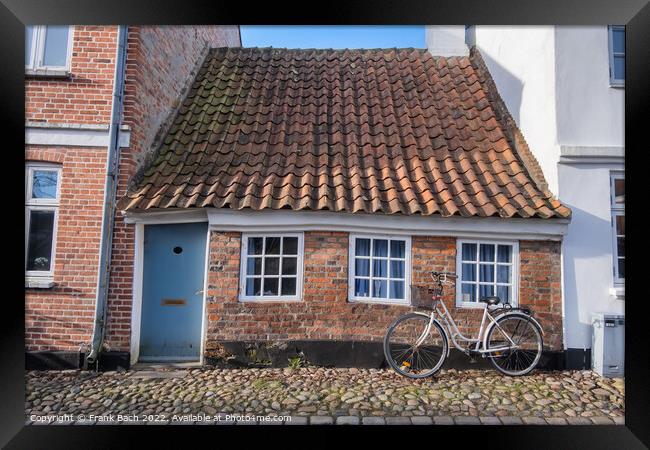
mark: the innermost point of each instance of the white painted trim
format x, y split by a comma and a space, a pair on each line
165, 217
352, 298
72, 136
136, 306
299, 269
39, 282
613, 81
617, 292
204, 317
615, 210
42, 205
514, 301
285, 221
578, 151
35, 64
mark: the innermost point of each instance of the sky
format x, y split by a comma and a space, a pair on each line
332, 36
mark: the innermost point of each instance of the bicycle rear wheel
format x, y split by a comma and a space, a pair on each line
527, 337
408, 357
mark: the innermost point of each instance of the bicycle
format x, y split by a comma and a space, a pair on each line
416, 344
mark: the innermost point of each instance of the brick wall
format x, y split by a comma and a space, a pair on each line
160, 61
60, 318
85, 97
539, 286
325, 312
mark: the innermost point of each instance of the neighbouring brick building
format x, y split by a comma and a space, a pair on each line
281, 197
69, 90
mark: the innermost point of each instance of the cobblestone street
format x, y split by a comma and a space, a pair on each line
318, 395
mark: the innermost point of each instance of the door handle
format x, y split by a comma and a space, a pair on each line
200, 291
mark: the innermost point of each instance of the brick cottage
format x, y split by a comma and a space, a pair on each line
279, 201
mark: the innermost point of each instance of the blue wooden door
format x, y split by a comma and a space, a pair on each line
172, 291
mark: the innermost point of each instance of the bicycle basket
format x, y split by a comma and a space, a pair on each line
421, 296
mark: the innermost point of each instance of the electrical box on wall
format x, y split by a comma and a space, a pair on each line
608, 344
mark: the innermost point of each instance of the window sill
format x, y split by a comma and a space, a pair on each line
471, 305
47, 73
618, 292
269, 300
380, 302
39, 283
617, 85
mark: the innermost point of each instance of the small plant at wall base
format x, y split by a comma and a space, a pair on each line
297, 361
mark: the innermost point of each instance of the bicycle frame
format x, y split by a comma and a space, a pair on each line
452, 330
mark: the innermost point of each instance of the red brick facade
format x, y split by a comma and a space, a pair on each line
60, 318
159, 61
85, 97
325, 313
158, 67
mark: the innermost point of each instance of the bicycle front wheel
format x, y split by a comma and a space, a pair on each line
521, 358
412, 351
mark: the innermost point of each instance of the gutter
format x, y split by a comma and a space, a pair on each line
108, 211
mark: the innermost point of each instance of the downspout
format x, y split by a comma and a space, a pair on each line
108, 211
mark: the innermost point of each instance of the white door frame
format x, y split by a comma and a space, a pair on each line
138, 272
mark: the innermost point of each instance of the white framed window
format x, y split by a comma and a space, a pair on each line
271, 267
616, 38
617, 180
43, 186
379, 269
48, 47
486, 268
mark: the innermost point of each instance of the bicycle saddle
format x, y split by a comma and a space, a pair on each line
492, 300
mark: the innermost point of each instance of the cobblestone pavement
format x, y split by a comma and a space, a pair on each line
321, 396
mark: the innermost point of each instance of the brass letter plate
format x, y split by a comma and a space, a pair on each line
172, 302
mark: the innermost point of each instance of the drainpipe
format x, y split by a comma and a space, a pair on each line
108, 211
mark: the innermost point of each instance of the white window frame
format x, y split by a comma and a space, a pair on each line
614, 82
407, 269
514, 301
616, 210
299, 269
38, 51
41, 204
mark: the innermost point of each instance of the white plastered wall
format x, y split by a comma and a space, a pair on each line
522, 63
555, 83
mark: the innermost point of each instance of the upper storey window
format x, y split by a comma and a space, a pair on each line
48, 48
616, 55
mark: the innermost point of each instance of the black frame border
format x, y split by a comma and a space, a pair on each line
635, 14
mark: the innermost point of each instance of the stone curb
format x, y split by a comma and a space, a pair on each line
396, 420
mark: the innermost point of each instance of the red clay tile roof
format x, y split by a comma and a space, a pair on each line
385, 130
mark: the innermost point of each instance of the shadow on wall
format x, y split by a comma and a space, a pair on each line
584, 230
509, 86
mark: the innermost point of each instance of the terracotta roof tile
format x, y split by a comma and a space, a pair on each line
395, 131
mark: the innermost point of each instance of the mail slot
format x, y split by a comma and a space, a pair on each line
173, 302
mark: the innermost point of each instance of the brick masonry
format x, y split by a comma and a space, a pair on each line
325, 313
159, 60
158, 67
85, 97
60, 318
